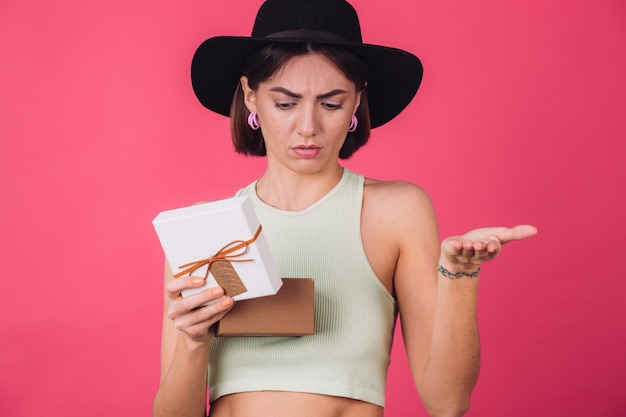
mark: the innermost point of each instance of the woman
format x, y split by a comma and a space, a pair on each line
307, 91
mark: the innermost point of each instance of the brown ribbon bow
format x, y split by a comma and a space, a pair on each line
225, 254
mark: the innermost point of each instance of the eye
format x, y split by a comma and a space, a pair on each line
331, 106
284, 106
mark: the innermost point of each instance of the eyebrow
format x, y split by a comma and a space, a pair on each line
295, 95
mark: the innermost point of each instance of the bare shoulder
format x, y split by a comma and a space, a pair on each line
403, 212
399, 230
396, 198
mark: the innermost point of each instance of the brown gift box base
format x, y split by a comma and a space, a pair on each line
288, 313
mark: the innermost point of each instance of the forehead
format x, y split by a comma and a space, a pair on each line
310, 71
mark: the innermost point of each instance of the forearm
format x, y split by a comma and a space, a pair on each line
453, 364
183, 389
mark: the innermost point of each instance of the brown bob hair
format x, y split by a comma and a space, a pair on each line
265, 62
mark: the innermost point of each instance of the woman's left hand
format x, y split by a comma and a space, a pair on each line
481, 245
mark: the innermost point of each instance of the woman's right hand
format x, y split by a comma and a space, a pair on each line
185, 344
188, 313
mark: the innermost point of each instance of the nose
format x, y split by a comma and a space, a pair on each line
308, 123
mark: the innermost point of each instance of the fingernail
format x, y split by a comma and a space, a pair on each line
226, 302
217, 292
197, 281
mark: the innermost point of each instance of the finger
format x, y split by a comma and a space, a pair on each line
184, 305
494, 246
453, 246
205, 325
489, 245
204, 316
490, 251
519, 232
175, 286
468, 245
468, 249
481, 245
214, 311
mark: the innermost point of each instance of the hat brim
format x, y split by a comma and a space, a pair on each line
394, 74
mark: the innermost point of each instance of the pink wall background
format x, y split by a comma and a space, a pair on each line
520, 120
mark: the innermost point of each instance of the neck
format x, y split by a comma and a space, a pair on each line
294, 191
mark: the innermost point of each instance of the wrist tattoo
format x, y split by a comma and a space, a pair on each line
452, 275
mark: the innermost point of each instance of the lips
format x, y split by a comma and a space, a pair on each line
307, 152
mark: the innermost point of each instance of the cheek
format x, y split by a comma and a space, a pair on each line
276, 120
340, 124
275, 124
275, 129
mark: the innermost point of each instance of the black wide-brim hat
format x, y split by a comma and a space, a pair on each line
394, 74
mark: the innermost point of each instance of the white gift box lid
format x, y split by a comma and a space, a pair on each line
198, 232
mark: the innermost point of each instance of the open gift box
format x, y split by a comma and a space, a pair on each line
224, 242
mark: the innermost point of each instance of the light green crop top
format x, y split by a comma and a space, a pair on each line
354, 314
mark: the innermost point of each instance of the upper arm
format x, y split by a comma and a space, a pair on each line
415, 277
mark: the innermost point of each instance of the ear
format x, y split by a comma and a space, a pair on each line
249, 95
357, 102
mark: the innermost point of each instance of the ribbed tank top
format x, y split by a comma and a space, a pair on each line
354, 313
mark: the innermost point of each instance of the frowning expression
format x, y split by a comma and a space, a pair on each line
304, 110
